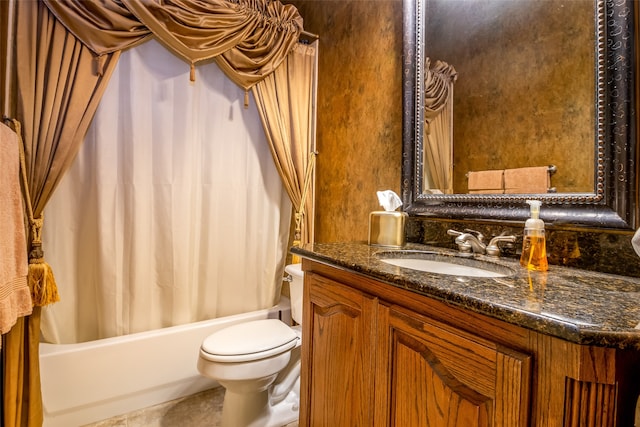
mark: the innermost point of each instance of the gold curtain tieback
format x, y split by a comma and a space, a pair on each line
42, 283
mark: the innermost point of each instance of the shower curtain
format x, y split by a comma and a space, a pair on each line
173, 210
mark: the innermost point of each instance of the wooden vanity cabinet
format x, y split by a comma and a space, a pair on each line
432, 374
369, 363
377, 355
340, 352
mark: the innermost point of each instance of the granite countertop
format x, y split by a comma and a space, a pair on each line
579, 306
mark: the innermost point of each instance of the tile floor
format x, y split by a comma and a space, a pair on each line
200, 410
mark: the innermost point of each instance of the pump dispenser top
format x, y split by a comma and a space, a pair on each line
534, 222
534, 251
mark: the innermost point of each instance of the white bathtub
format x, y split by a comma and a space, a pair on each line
88, 382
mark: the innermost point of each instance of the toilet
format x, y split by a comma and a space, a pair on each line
258, 364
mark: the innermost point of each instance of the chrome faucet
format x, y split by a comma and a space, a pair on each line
472, 242
469, 241
493, 249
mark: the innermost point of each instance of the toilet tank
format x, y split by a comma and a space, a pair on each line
295, 290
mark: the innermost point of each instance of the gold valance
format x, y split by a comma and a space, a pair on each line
247, 38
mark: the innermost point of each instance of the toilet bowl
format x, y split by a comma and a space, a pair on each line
258, 364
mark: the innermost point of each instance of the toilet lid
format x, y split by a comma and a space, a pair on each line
249, 341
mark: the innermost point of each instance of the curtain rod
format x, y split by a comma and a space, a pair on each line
308, 35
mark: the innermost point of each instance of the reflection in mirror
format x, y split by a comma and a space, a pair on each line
438, 127
525, 90
540, 87
609, 201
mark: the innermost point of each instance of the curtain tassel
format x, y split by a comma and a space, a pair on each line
192, 72
246, 98
44, 289
42, 283
297, 237
300, 212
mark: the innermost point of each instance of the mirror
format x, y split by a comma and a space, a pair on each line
592, 146
520, 98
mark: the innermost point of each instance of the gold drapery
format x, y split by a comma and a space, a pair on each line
438, 118
289, 128
57, 94
65, 53
247, 38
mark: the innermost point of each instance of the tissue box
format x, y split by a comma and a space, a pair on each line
386, 228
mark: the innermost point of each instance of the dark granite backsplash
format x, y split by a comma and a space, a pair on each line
602, 251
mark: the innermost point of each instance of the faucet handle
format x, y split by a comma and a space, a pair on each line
493, 249
478, 234
464, 247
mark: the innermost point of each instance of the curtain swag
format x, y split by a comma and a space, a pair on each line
438, 122
248, 39
438, 84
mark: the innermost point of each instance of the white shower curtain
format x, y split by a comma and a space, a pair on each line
173, 211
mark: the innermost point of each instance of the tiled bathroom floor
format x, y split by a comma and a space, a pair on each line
200, 410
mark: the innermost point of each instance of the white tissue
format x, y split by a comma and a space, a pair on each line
635, 242
389, 200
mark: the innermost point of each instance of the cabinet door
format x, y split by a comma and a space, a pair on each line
440, 376
338, 357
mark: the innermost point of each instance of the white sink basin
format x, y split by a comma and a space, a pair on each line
442, 267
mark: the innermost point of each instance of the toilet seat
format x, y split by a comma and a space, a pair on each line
249, 341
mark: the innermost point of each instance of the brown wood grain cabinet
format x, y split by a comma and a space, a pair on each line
377, 355
436, 374
342, 347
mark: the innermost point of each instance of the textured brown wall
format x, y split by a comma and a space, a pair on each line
359, 129
360, 119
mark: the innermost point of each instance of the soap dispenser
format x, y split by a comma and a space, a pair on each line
534, 250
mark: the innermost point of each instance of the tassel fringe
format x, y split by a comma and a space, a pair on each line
295, 259
44, 289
